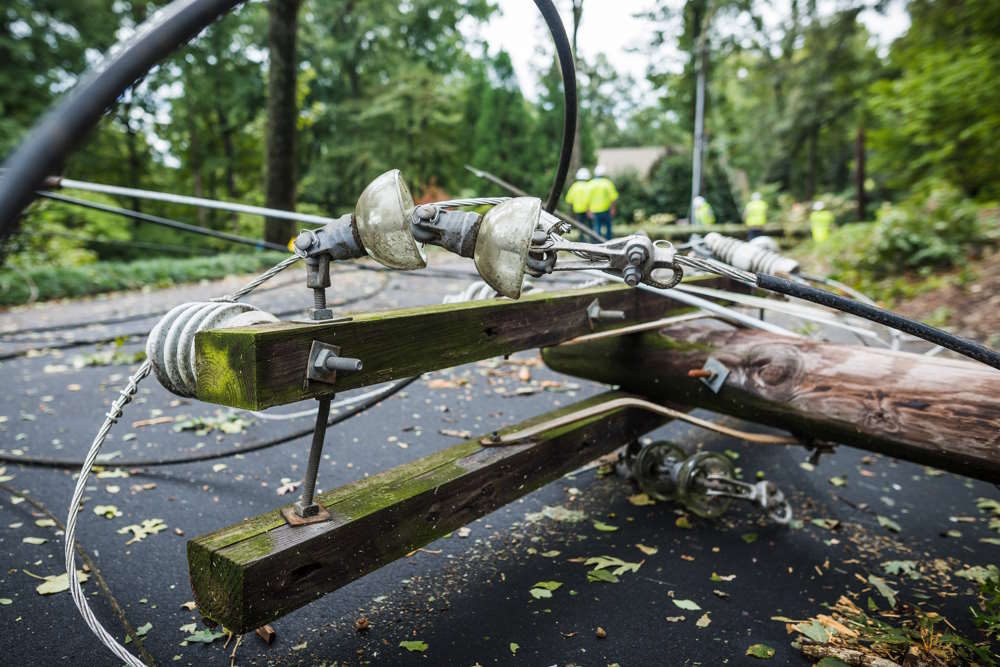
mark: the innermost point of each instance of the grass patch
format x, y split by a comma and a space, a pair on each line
44, 283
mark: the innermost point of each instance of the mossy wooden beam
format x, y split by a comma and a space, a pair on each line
930, 410
262, 366
253, 572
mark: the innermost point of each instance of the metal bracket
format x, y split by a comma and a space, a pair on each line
325, 361
718, 374
597, 314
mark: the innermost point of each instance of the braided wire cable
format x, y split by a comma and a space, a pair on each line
716, 267
125, 396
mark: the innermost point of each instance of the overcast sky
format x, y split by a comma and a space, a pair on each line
608, 26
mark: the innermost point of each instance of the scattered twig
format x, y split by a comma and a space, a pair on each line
139, 423
849, 656
232, 656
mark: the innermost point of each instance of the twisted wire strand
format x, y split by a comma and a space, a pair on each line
125, 396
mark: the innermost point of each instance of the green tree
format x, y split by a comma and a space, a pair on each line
939, 116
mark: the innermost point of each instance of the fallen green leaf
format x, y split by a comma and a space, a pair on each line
143, 630
689, 605
886, 522
205, 636
57, 583
814, 630
904, 567
722, 577
762, 651
979, 574
749, 538
617, 565
602, 576
513, 648
107, 511
417, 646
147, 528
838, 481
829, 524
34, 540
883, 587
548, 585
641, 500
605, 527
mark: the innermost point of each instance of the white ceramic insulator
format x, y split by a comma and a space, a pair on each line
170, 346
748, 256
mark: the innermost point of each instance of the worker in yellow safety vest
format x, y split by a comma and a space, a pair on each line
578, 195
703, 213
820, 220
755, 216
603, 196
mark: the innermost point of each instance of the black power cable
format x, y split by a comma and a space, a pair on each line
567, 66
42, 462
963, 346
67, 125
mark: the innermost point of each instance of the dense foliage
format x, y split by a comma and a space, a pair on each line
417, 86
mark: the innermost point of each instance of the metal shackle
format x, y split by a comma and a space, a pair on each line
170, 346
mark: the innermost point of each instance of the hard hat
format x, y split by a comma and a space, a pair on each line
755, 196
818, 206
599, 170
699, 200
583, 174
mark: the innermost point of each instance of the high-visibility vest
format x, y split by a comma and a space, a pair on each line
703, 215
756, 213
578, 196
821, 222
602, 194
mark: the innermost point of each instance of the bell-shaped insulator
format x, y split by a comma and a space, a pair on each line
502, 243
383, 220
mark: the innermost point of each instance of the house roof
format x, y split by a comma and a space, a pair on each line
639, 159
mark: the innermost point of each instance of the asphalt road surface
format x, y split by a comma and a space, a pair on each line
467, 596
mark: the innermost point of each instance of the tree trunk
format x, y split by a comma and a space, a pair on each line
282, 115
860, 175
930, 410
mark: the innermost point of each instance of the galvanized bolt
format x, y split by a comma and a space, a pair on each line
342, 364
636, 257
304, 241
632, 276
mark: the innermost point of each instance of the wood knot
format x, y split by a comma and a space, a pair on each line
774, 369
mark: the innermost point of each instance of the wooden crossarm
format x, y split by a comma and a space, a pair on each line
251, 573
262, 366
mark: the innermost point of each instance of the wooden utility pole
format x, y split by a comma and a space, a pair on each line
282, 116
577, 159
931, 410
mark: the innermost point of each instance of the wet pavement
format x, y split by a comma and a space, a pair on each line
467, 596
